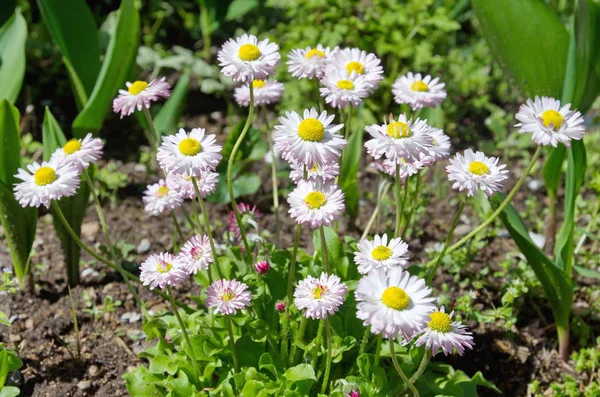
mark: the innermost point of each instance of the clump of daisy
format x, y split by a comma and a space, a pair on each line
342, 88
353, 60
140, 94
316, 203
162, 270
81, 152
246, 59
49, 181
418, 92
160, 197
324, 172
474, 171
249, 214
381, 254
182, 184
443, 333
393, 302
308, 63
320, 297
309, 139
550, 122
228, 296
196, 254
189, 153
266, 92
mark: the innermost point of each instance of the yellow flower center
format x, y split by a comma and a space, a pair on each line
345, 85
381, 253
311, 130
249, 52
440, 322
258, 83
395, 298
44, 176
398, 130
419, 86
315, 200
137, 87
190, 147
552, 117
163, 191
478, 168
315, 168
72, 146
319, 291
315, 52
355, 67
228, 295
163, 267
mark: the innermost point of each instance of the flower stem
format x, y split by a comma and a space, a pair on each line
365, 340
422, 366
328, 353
151, 135
377, 350
176, 226
184, 332
324, 249
273, 178
236, 365
230, 163
290, 286
208, 231
400, 372
299, 337
375, 213
319, 97
400, 200
413, 204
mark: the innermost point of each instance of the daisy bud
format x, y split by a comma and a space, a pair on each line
280, 307
262, 267
354, 393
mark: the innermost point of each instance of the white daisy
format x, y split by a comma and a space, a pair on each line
550, 123
190, 153
325, 172
407, 167
266, 92
440, 148
316, 203
320, 296
418, 92
196, 254
309, 139
161, 270
182, 184
46, 182
381, 254
140, 94
397, 140
81, 152
228, 296
343, 88
393, 302
246, 59
360, 62
308, 63
161, 197
443, 333
475, 171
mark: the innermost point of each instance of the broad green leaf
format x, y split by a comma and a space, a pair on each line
74, 31
9, 391
7, 10
119, 59
587, 272
300, 372
13, 35
9, 361
166, 120
161, 364
142, 383
348, 180
528, 40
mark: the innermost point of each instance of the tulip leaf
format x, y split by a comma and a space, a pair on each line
13, 35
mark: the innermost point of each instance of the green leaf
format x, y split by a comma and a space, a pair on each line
553, 169
239, 8
142, 383
537, 63
349, 172
13, 35
119, 59
166, 120
335, 250
300, 372
75, 33
161, 364
251, 351
7, 10
19, 223
587, 272
9, 391
9, 361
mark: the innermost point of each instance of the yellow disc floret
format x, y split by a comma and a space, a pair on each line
381, 253
137, 87
478, 168
315, 200
319, 291
163, 267
419, 86
190, 147
398, 130
162, 191
72, 146
44, 176
395, 298
345, 85
315, 167
311, 130
228, 295
258, 83
249, 52
355, 67
440, 322
552, 117
315, 52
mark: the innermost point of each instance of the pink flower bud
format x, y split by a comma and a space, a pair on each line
354, 393
280, 306
262, 267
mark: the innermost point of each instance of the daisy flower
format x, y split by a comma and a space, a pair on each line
81, 152
324, 172
190, 153
474, 171
550, 123
403, 139
418, 91
443, 333
46, 182
440, 148
140, 94
246, 59
407, 167
393, 302
161, 270
161, 197
182, 184
308, 63
196, 254
316, 203
266, 92
228, 296
360, 62
343, 88
320, 296
309, 139
381, 254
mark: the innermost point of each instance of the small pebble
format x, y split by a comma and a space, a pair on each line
29, 323
538, 239
93, 371
461, 230
84, 385
535, 185
89, 272
144, 246
89, 230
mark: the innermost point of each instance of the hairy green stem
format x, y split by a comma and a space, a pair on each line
400, 372
298, 338
328, 353
364, 341
290, 285
208, 231
378, 350
274, 180
184, 331
400, 200
422, 366
151, 135
413, 204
